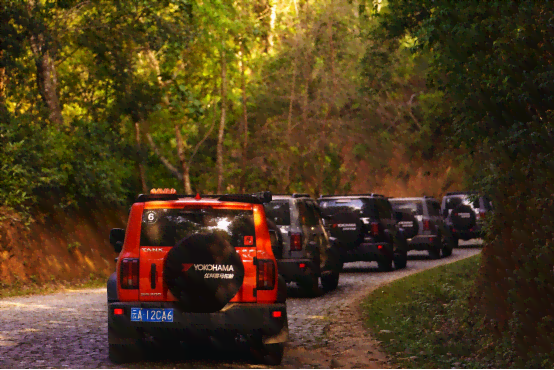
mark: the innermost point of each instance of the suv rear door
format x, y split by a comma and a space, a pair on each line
309, 222
433, 213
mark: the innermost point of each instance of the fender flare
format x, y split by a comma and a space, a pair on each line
112, 288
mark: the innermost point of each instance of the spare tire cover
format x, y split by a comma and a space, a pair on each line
409, 224
463, 217
203, 272
347, 228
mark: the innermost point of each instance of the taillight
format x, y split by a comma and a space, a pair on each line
129, 273
295, 242
266, 275
426, 225
375, 228
481, 214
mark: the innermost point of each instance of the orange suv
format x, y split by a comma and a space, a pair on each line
192, 268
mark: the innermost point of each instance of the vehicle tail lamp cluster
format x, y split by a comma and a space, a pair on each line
481, 214
426, 225
375, 228
266, 275
129, 273
295, 242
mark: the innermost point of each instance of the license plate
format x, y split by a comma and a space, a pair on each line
152, 314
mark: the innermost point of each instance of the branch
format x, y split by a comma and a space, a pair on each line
201, 142
164, 160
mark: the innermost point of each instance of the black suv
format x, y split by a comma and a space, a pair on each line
367, 228
464, 213
424, 226
308, 253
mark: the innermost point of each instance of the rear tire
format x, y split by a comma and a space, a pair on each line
124, 353
400, 260
310, 285
434, 253
269, 354
384, 264
330, 280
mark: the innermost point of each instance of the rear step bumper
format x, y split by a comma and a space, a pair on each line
423, 242
236, 318
295, 269
368, 252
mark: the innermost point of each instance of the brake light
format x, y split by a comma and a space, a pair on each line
426, 225
375, 228
118, 311
295, 242
379, 247
302, 265
266, 275
129, 273
481, 214
276, 314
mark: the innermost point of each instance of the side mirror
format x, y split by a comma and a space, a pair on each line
398, 216
117, 236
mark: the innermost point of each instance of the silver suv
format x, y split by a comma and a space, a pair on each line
308, 252
465, 213
423, 225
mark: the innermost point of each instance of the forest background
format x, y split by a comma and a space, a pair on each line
103, 99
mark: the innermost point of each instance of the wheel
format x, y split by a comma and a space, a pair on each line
400, 260
434, 253
269, 354
123, 353
384, 264
330, 280
447, 246
310, 285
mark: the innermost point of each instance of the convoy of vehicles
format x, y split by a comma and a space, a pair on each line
193, 268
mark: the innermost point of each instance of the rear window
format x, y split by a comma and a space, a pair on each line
166, 227
364, 207
278, 212
414, 206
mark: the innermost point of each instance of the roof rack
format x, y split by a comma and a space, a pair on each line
300, 195
353, 195
460, 193
256, 198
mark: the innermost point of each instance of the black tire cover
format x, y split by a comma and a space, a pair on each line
203, 272
463, 217
409, 224
347, 228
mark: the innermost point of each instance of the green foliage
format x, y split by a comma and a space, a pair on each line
425, 321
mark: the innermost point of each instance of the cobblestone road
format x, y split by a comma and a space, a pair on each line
69, 330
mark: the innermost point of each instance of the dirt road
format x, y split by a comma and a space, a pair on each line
69, 329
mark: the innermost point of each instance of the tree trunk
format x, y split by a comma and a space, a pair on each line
183, 160
222, 122
245, 122
3, 108
140, 165
289, 130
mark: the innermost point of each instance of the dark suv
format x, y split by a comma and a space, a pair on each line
367, 228
464, 213
196, 269
424, 226
308, 253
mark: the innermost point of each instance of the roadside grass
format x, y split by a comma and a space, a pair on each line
425, 321
53, 286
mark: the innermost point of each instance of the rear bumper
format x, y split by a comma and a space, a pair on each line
475, 232
423, 242
368, 252
295, 269
239, 318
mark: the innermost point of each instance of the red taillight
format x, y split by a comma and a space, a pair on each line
276, 314
266, 275
431, 239
375, 228
481, 214
129, 273
302, 265
426, 225
379, 247
118, 311
295, 242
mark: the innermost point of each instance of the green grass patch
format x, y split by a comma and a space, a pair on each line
53, 286
425, 321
